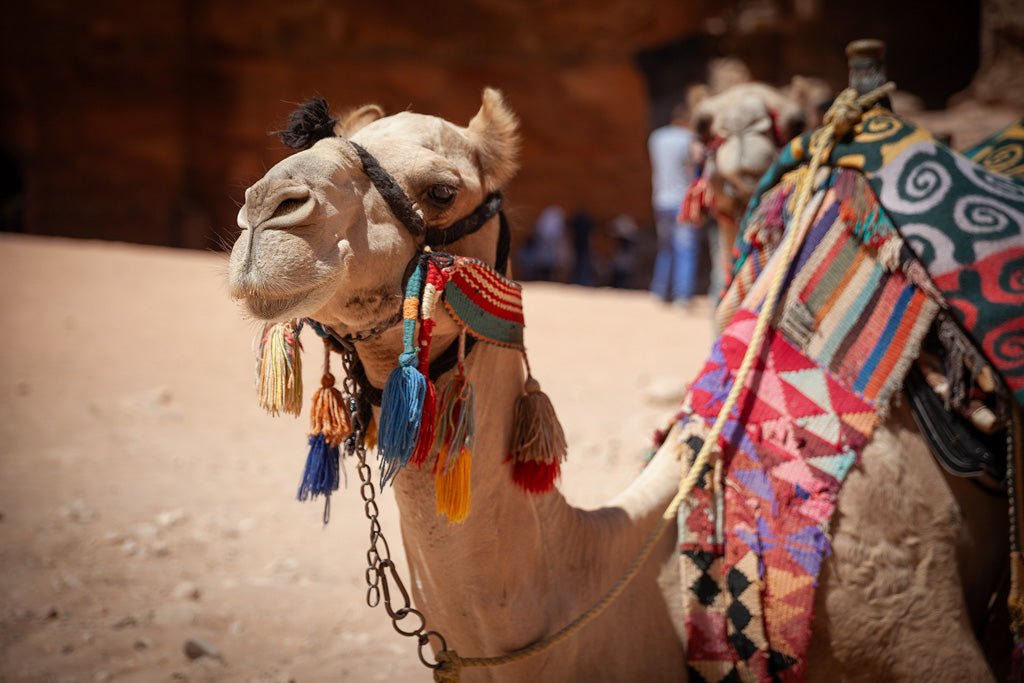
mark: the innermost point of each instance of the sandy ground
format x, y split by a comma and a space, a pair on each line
146, 499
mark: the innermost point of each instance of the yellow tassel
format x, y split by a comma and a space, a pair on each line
328, 415
279, 369
451, 486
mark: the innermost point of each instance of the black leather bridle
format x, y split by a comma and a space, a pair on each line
436, 239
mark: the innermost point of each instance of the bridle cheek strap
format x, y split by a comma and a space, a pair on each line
391, 191
404, 210
440, 237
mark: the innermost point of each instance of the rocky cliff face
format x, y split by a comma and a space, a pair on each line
144, 121
1000, 79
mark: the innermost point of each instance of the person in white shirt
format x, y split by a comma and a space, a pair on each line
671, 150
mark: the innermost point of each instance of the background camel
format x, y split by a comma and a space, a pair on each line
318, 242
744, 125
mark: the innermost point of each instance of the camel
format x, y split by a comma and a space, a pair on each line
744, 126
318, 241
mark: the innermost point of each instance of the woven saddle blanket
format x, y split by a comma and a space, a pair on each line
898, 228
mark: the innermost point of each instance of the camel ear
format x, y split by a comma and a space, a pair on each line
494, 131
357, 118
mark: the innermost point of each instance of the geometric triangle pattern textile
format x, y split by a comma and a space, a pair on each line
753, 532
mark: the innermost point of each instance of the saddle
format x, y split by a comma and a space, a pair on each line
905, 282
959, 401
966, 422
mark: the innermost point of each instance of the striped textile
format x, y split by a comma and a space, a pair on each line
488, 305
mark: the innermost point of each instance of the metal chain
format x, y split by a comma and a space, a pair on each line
382, 579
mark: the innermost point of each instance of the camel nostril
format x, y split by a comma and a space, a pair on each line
287, 206
269, 202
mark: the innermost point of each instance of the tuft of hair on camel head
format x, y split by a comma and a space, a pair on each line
311, 122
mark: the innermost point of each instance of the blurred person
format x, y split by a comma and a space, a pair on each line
549, 256
526, 267
580, 226
671, 152
694, 212
623, 262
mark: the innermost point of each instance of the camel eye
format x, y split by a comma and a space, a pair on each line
441, 194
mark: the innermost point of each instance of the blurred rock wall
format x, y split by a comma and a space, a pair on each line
1000, 78
145, 121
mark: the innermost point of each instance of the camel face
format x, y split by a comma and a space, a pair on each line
319, 240
751, 121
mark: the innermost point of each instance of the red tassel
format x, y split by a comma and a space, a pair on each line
436, 280
425, 439
534, 476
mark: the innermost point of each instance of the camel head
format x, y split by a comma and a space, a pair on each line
318, 238
746, 124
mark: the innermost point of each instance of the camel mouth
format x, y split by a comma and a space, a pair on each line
374, 331
270, 308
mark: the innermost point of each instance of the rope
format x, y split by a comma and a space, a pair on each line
844, 113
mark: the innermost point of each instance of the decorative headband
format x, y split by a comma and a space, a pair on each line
418, 425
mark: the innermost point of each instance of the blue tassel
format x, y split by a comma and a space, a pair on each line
321, 474
401, 407
401, 411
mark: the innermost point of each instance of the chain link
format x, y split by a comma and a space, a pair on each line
383, 584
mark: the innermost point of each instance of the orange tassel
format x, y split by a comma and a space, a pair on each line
328, 415
452, 485
370, 435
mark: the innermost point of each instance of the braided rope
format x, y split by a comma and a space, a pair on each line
844, 113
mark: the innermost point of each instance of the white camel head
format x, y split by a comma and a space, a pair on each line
318, 241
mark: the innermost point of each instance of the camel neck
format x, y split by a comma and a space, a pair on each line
477, 580
522, 566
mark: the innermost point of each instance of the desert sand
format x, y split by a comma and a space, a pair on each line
146, 500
